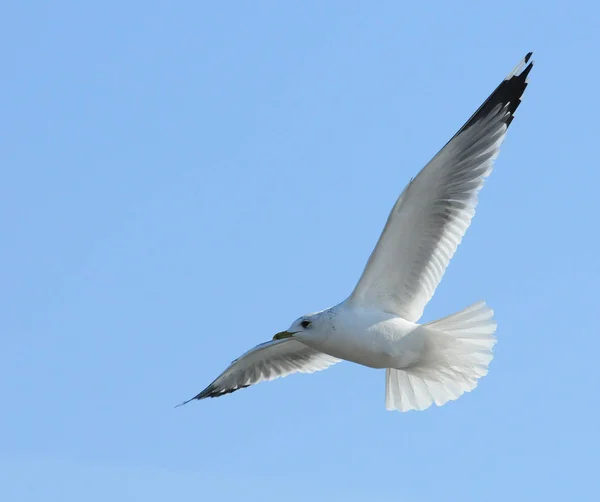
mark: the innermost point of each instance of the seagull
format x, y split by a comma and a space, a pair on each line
377, 325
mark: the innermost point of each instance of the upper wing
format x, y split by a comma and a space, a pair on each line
433, 212
267, 361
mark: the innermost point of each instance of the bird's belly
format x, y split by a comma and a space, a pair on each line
368, 350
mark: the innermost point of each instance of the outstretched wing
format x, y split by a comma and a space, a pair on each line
434, 211
267, 361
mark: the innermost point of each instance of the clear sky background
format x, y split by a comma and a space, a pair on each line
181, 180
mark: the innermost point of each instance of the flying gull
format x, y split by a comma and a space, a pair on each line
377, 325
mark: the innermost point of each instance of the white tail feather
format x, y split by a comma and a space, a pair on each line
458, 350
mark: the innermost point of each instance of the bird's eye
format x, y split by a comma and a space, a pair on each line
305, 324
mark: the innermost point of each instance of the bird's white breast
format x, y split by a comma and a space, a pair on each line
366, 336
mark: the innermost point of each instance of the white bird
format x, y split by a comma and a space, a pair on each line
376, 326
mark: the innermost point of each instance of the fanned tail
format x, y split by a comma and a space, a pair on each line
458, 350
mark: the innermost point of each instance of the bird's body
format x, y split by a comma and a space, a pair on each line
364, 336
377, 325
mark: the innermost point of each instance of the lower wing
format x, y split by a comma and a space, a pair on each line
267, 361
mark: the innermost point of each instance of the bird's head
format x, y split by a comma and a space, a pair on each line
303, 326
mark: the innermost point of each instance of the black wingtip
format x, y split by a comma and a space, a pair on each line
185, 402
197, 397
529, 66
507, 94
212, 391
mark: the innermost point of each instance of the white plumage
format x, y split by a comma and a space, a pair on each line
461, 350
376, 326
268, 361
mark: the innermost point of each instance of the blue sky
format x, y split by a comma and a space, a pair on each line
183, 180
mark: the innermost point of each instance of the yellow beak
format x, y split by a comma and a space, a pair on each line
283, 334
